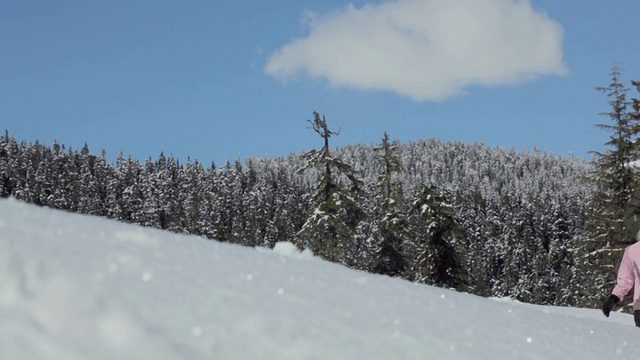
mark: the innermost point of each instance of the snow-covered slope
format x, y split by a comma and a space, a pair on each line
79, 287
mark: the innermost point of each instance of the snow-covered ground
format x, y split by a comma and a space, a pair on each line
80, 287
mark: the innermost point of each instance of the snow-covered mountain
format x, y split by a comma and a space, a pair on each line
80, 287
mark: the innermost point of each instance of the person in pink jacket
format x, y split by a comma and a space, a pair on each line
629, 270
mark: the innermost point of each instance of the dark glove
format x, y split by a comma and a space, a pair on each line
608, 304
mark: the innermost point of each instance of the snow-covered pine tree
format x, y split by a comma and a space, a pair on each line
125, 197
62, 178
195, 188
331, 226
207, 194
224, 212
7, 178
389, 226
39, 179
91, 195
439, 258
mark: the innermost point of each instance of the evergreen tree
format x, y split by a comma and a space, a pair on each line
228, 215
192, 193
390, 226
634, 117
94, 175
206, 193
41, 184
439, 257
613, 176
6, 173
331, 226
476, 222
173, 200
126, 199
614, 182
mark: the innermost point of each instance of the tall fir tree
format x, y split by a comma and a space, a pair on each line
614, 183
330, 228
634, 117
390, 228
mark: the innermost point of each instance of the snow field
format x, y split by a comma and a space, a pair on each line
81, 287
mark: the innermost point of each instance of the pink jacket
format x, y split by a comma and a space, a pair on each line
629, 275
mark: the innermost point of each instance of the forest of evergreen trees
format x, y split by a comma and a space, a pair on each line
497, 222
489, 221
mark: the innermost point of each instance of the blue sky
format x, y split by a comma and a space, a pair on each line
218, 80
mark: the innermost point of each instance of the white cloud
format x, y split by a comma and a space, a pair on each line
425, 49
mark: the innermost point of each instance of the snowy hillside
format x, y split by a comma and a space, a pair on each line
79, 287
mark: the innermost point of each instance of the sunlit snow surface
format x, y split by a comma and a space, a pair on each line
79, 287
